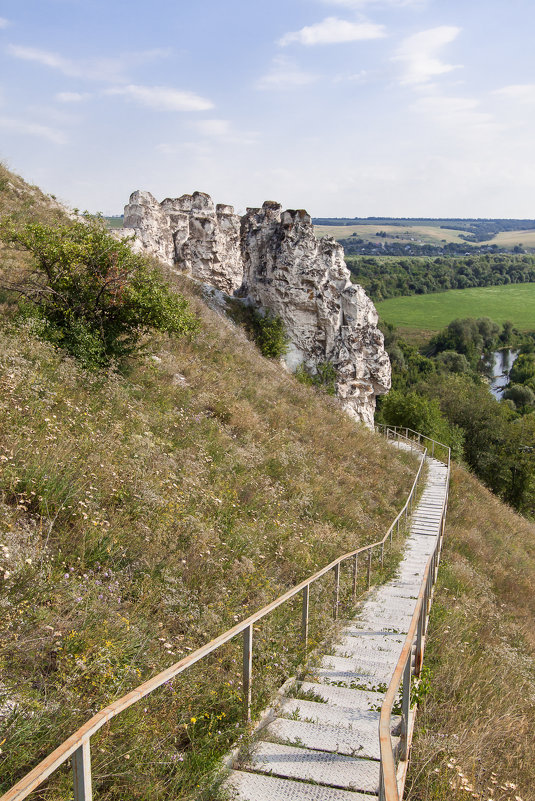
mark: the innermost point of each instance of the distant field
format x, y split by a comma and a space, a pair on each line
418, 315
114, 222
423, 233
426, 234
509, 239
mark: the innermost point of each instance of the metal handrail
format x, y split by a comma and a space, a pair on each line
415, 436
78, 744
391, 784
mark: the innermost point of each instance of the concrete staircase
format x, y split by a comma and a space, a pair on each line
324, 744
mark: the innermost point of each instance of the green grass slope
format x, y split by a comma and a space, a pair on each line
514, 302
474, 730
143, 514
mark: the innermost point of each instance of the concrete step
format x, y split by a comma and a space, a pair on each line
361, 700
362, 741
257, 787
331, 770
330, 714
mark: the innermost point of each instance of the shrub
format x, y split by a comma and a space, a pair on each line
521, 395
264, 328
90, 294
422, 414
269, 334
324, 378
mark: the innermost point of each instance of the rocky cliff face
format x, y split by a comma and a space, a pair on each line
271, 258
190, 232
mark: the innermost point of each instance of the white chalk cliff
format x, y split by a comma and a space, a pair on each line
272, 259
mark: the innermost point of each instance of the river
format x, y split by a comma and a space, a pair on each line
499, 364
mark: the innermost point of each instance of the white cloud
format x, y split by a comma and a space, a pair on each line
419, 54
213, 128
110, 70
452, 108
163, 98
44, 57
33, 129
4, 22
284, 74
523, 92
72, 97
222, 131
333, 31
352, 77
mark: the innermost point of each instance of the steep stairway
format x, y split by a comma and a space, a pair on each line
324, 744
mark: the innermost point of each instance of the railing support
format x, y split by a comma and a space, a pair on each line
247, 670
304, 618
355, 577
336, 590
81, 768
405, 710
419, 655
369, 568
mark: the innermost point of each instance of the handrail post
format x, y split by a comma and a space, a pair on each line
247, 670
419, 655
369, 568
304, 618
355, 576
381, 783
81, 768
405, 710
336, 590
382, 554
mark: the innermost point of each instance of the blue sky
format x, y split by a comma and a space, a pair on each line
343, 107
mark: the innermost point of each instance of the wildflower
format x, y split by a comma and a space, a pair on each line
193, 720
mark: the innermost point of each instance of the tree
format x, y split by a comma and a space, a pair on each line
90, 294
521, 395
412, 410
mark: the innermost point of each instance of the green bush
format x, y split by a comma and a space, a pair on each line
264, 328
411, 410
324, 378
90, 295
269, 334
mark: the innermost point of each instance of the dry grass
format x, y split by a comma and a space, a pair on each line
140, 516
474, 735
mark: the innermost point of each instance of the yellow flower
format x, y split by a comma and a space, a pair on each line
193, 720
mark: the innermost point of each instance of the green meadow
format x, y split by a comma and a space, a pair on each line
429, 313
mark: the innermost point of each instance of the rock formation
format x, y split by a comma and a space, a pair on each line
272, 259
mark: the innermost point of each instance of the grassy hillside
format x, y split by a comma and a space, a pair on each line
144, 513
502, 233
430, 313
474, 731
424, 234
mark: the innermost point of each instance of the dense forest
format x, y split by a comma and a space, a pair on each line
388, 277
442, 390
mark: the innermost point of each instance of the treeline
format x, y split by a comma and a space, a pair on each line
442, 391
483, 227
387, 277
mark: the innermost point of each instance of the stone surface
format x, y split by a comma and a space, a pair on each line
272, 260
306, 282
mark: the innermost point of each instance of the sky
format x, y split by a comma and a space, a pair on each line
343, 107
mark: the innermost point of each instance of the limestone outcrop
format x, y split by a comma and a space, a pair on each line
190, 232
272, 259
